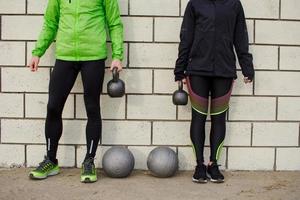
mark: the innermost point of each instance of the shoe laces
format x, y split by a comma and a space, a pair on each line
45, 164
215, 168
200, 169
88, 165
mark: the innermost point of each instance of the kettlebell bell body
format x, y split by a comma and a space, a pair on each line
116, 87
180, 97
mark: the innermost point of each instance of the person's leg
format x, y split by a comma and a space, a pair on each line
198, 87
220, 96
62, 80
92, 73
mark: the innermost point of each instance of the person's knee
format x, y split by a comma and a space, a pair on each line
93, 111
54, 110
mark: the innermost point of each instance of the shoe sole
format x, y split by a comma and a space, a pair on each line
87, 180
214, 180
199, 181
53, 173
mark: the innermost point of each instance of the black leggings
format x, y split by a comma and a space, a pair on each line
62, 80
220, 90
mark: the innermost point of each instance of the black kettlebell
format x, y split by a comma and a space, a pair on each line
115, 87
180, 97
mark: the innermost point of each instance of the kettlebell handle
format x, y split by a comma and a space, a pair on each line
115, 74
180, 85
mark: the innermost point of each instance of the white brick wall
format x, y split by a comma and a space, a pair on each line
251, 158
126, 132
290, 9
278, 32
288, 159
65, 155
9, 48
152, 55
12, 105
22, 80
263, 120
266, 57
261, 9
154, 7
275, 134
12, 155
13, 7
289, 58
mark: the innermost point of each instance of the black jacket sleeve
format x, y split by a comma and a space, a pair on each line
186, 41
241, 44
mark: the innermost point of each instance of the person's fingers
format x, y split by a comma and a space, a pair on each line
247, 80
116, 65
31, 66
35, 66
120, 68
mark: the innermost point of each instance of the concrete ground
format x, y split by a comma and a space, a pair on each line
15, 184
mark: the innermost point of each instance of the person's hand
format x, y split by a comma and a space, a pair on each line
34, 63
116, 64
183, 81
247, 80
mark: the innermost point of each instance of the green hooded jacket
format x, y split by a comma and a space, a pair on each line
79, 27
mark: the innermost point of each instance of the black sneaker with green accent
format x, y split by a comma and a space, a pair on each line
46, 168
88, 171
214, 173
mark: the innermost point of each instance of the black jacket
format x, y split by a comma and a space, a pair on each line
209, 31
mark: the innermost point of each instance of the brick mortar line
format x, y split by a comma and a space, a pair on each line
1, 131
251, 134
160, 94
151, 133
254, 31
253, 84
25, 154
153, 74
152, 120
75, 153
75, 101
276, 108
0, 27
151, 68
26, 7
126, 107
298, 136
153, 29
279, 53
180, 5
24, 106
161, 16
280, 9
163, 43
0, 79
275, 159
227, 158
25, 50
128, 7
151, 145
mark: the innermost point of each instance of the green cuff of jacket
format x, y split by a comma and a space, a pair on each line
117, 57
36, 53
